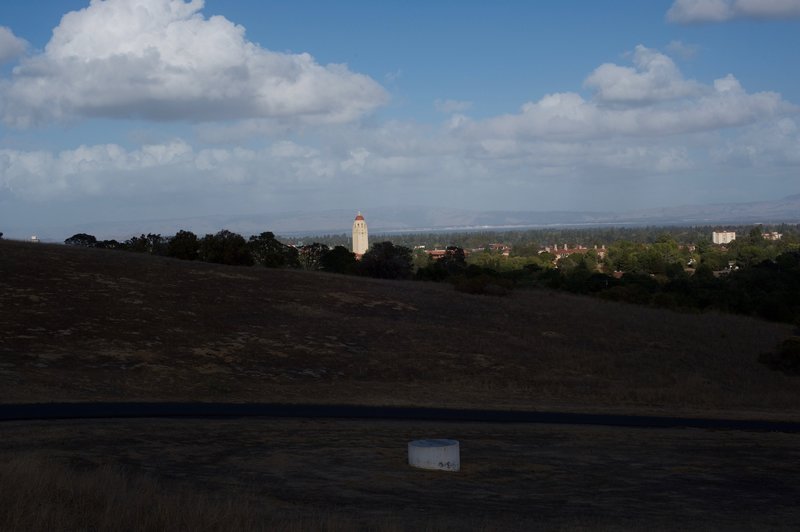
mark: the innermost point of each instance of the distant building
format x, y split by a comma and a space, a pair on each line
566, 251
601, 251
35, 239
723, 237
360, 239
437, 254
503, 249
774, 235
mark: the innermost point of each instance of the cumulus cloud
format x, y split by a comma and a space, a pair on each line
693, 11
654, 77
44, 175
11, 46
650, 99
164, 60
640, 121
114, 172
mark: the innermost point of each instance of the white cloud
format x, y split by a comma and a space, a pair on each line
692, 11
356, 162
11, 46
775, 144
452, 106
655, 77
652, 99
289, 149
700, 11
163, 60
642, 122
42, 175
682, 49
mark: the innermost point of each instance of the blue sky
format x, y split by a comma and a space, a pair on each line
142, 109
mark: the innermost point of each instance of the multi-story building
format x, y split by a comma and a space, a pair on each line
723, 237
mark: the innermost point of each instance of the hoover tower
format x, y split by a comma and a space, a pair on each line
360, 243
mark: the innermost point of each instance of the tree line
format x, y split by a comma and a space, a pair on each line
752, 275
383, 260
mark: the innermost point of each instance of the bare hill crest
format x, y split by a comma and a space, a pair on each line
89, 324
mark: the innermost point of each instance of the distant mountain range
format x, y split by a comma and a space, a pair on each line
421, 219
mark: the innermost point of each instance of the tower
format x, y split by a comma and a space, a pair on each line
360, 243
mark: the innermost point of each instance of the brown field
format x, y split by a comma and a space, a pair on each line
90, 325
86, 324
280, 474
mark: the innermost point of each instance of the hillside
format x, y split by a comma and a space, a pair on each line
88, 324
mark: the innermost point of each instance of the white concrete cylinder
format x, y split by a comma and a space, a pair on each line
434, 454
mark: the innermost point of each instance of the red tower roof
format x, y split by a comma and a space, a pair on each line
359, 217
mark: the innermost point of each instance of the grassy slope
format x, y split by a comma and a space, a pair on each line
288, 474
84, 324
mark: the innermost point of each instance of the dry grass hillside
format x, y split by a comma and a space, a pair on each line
87, 324
343, 475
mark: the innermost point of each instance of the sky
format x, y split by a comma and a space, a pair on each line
116, 110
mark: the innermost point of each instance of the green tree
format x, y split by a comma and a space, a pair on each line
82, 240
151, 243
156, 244
225, 247
338, 260
546, 259
384, 260
704, 245
488, 259
136, 244
267, 251
184, 245
310, 256
622, 256
454, 260
756, 236
421, 259
570, 262
591, 260
527, 249
107, 244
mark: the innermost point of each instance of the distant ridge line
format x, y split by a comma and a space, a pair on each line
411, 219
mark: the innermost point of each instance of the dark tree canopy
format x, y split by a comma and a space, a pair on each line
136, 244
225, 247
151, 243
310, 256
267, 251
454, 259
184, 245
384, 260
338, 260
453, 262
81, 239
108, 244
